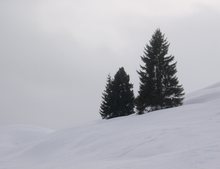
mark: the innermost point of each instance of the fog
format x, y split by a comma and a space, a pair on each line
55, 55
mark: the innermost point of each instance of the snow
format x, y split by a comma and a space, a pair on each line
185, 137
16, 137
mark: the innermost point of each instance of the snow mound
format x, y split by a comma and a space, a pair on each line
205, 95
185, 137
216, 85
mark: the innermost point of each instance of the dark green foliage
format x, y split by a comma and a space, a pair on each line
123, 96
105, 108
159, 86
118, 97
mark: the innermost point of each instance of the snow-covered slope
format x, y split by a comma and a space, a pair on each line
17, 137
186, 137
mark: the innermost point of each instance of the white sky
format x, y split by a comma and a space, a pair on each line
55, 54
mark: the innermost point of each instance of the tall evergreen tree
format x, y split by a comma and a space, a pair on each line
159, 86
118, 97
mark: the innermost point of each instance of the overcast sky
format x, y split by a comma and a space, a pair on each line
55, 55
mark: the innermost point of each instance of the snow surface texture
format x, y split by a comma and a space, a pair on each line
187, 137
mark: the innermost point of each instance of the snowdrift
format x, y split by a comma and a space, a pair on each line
185, 137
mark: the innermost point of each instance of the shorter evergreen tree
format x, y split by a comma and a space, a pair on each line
118, 97
105, 108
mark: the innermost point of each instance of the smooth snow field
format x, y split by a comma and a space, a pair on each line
186, 137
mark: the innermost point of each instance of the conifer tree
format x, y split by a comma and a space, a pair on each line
159, 86
122, 93
118, 97
105, 108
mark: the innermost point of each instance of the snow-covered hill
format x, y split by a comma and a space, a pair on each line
187, 137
